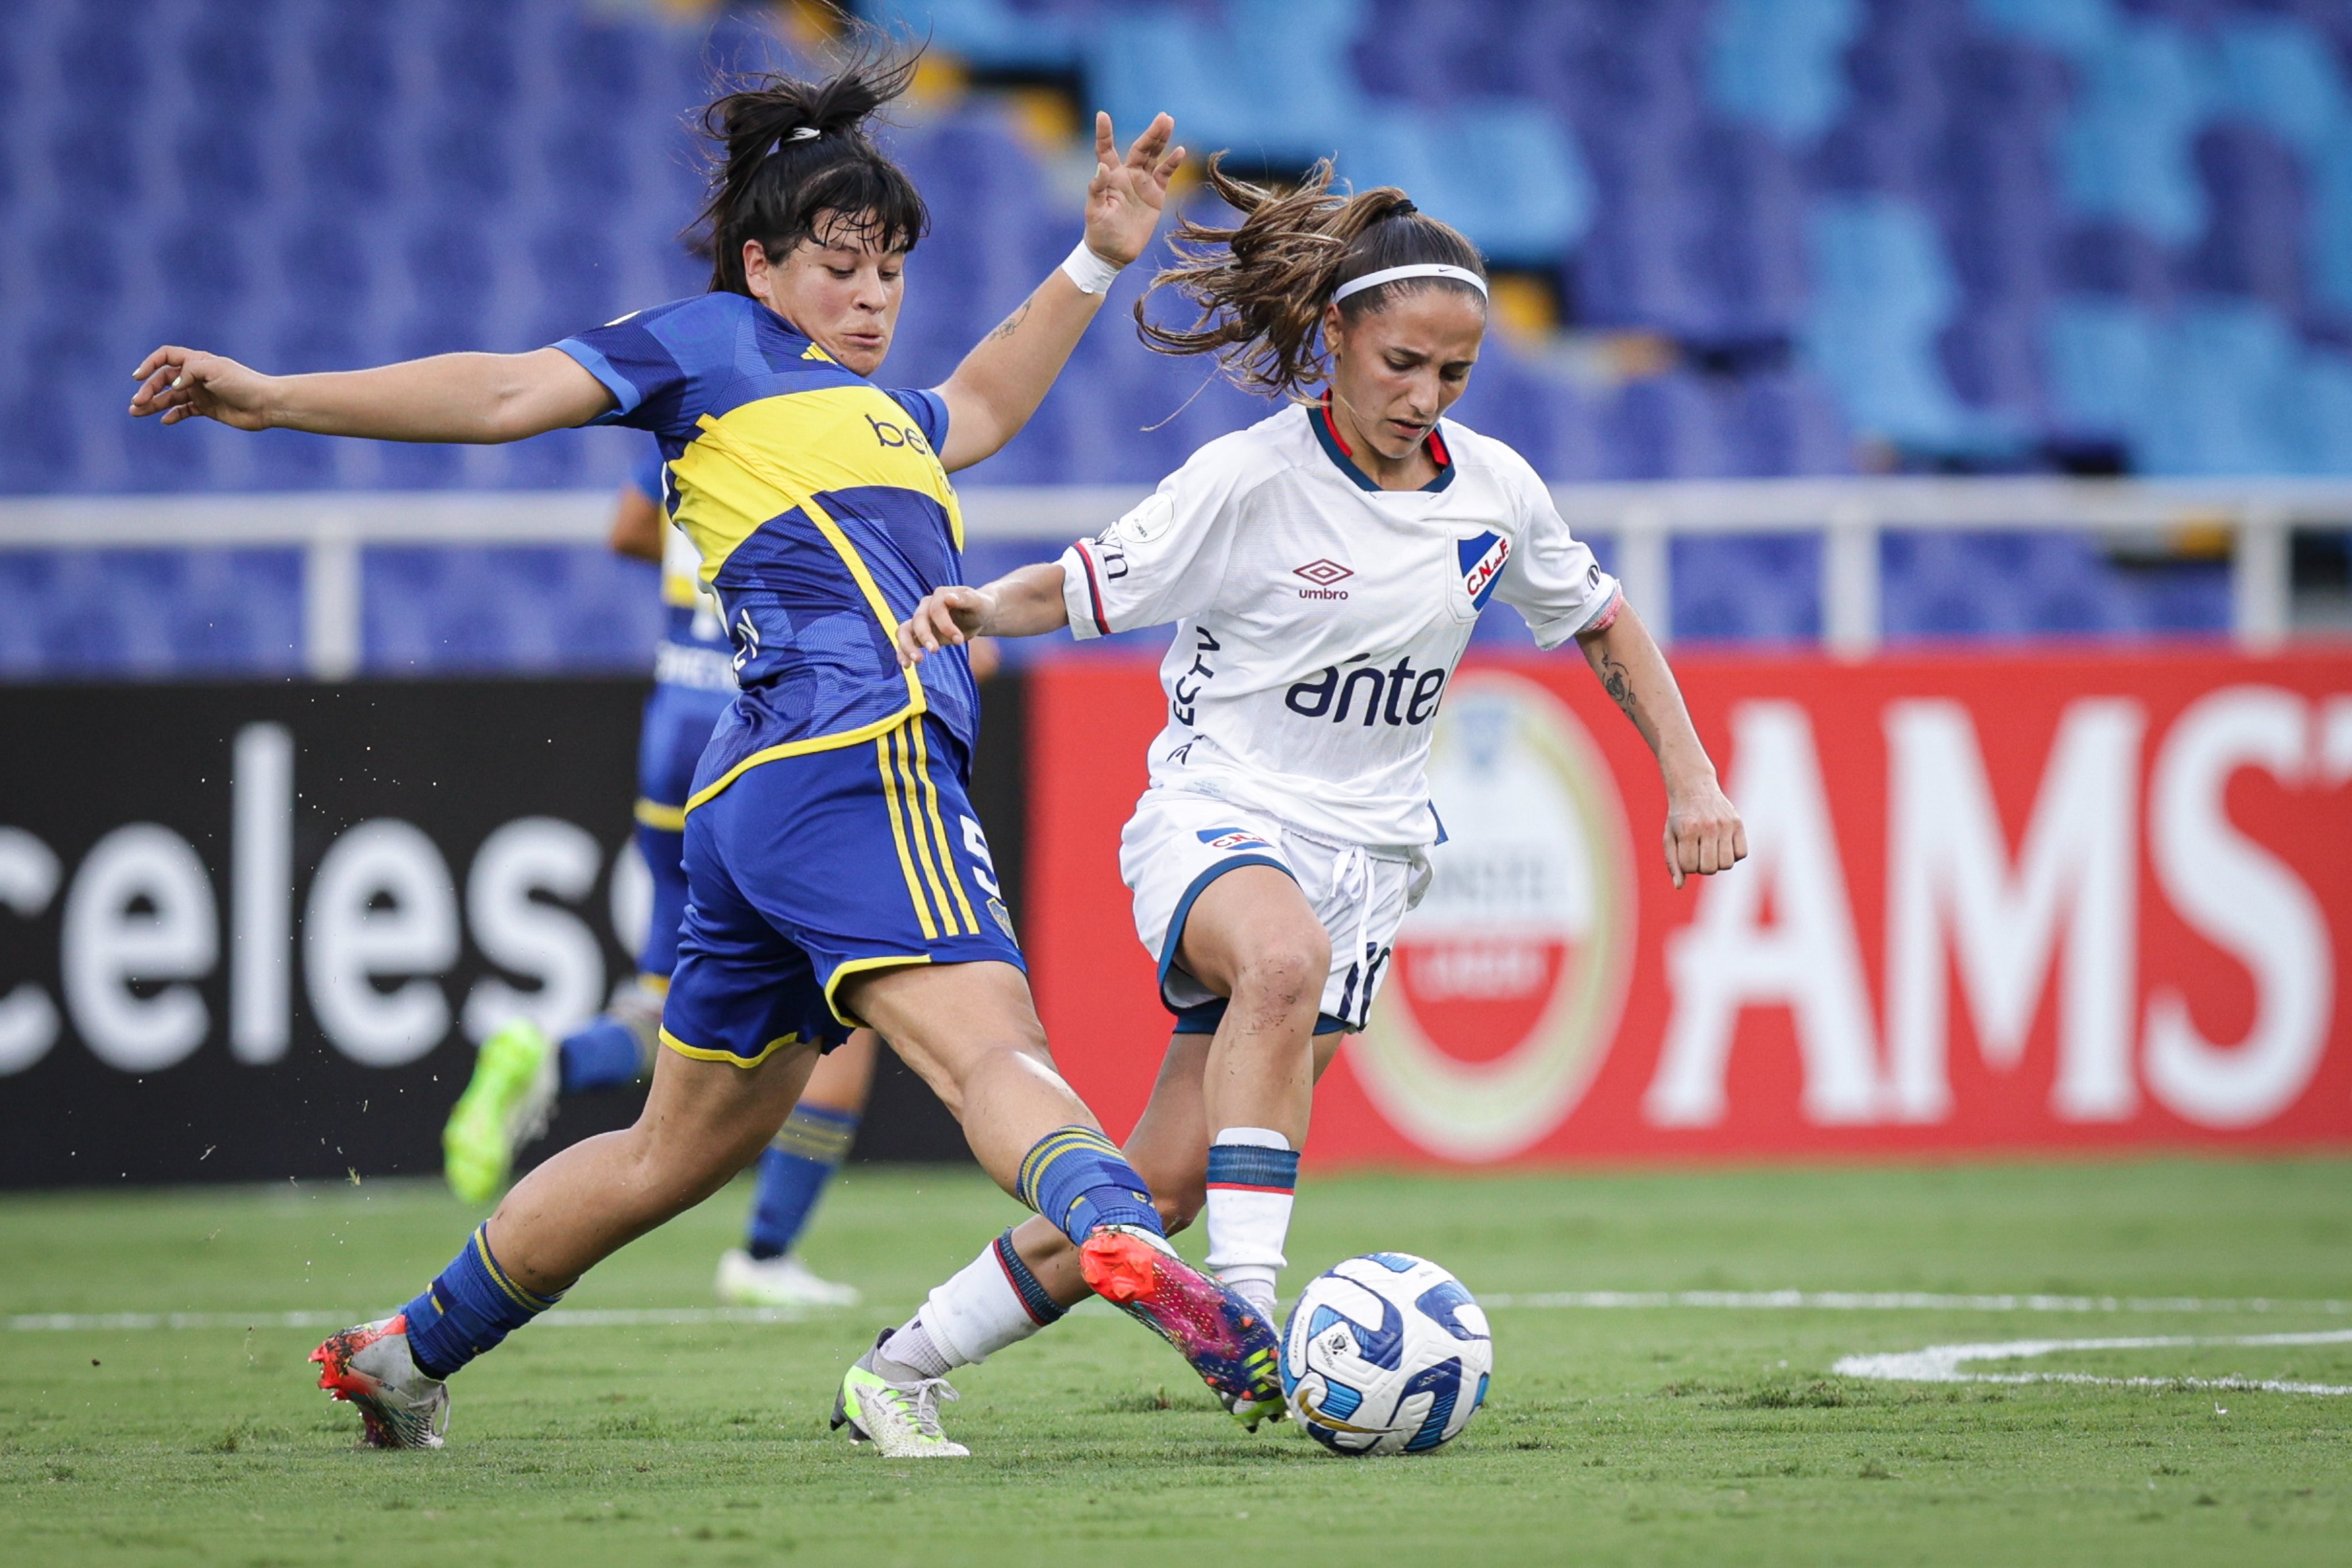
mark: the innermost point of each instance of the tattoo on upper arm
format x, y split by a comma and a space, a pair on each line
1010, 324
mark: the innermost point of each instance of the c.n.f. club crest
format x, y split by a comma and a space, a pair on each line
1481, 559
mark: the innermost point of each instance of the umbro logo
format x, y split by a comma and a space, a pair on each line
1323, 574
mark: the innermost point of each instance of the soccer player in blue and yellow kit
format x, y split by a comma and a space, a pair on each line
836, 874
520, 1072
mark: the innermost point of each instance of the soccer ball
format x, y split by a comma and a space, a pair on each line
1385, 1354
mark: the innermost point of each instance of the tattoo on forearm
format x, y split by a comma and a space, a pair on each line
1010, 324
1618, 681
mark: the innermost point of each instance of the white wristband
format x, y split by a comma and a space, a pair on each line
1091, 272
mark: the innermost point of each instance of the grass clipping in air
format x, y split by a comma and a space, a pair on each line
1658, 1434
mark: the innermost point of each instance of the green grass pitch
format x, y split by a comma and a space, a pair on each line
1675, 1433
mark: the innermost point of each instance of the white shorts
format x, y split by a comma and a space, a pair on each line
1178, 842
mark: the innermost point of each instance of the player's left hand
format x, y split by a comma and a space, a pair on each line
946, 617
1124, 198
1704, 833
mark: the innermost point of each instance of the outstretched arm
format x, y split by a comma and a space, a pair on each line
1023, 604
1002, 381
1704, 833
477, 398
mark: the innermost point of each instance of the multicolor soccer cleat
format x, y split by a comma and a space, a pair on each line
399, 1407
1228, 1342
506, 1104
901, 1419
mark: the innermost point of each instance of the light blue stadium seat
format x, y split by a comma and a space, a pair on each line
990, 34
1883, 293
1276, 87
1779, 63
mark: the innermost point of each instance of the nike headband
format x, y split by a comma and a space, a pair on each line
1399, 274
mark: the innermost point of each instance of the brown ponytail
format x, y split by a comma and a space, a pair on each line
1261, 288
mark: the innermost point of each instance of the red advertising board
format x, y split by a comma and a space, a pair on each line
2049, 900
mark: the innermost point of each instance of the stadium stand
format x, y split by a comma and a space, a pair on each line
1747, 238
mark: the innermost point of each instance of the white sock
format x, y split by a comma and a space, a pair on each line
1252, 1180
992, 1302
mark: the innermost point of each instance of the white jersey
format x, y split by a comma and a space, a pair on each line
1320, 618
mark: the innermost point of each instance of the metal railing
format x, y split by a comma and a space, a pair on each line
1641, 520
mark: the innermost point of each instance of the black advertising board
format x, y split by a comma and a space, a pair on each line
253, 932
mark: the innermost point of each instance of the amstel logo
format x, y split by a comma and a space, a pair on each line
1511, 976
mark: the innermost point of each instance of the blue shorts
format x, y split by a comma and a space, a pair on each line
812, 869
677, 727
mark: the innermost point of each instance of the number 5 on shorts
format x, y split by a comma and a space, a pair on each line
975, 844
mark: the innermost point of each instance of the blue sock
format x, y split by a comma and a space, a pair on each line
793, 1173
1043, 1309
469, 1310
1077, 1179
601, 1054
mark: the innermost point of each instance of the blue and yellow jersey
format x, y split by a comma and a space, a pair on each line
819, 507
693, 650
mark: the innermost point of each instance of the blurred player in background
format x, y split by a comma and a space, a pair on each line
1286, 827
520, 1072
825, 888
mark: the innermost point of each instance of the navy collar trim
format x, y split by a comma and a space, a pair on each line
1328, 434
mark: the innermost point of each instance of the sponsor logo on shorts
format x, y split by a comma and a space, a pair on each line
1232, 838
1325, 574
1003, 918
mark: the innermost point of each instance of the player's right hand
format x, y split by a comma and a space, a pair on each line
947, 616
181, 383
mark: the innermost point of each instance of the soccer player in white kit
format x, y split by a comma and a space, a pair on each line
1323, 569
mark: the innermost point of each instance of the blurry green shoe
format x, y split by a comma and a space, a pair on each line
506, 1106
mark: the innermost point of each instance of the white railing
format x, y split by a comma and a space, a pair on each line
1640, 519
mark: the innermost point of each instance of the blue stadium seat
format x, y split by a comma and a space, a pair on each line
1746, 588
1778, 63
990, 34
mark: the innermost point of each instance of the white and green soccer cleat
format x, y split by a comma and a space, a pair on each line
786, 1281
901, 1419
506, 1104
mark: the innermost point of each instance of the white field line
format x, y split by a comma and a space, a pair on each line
559, 1317
1949, 1363
1904, 1301
1732, 1300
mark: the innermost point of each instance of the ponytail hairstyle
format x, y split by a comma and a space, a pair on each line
1261, 288
790, 160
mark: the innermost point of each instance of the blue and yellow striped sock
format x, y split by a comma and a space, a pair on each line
793, 1170
468, 1309
1079, 1179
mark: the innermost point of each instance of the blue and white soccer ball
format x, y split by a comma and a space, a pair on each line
1385, 1354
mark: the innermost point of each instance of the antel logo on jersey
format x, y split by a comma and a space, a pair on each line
1323, 574
1512, 974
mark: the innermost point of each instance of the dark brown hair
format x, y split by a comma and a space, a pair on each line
1261, 288
774, 182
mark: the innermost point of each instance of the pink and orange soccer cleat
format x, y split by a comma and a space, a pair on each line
370, 1366
1228, 1342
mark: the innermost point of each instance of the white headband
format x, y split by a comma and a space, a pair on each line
1398, 274
799, 134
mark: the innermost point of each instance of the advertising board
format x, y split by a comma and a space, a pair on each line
2046, 900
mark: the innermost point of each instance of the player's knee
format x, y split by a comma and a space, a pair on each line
1286, 975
